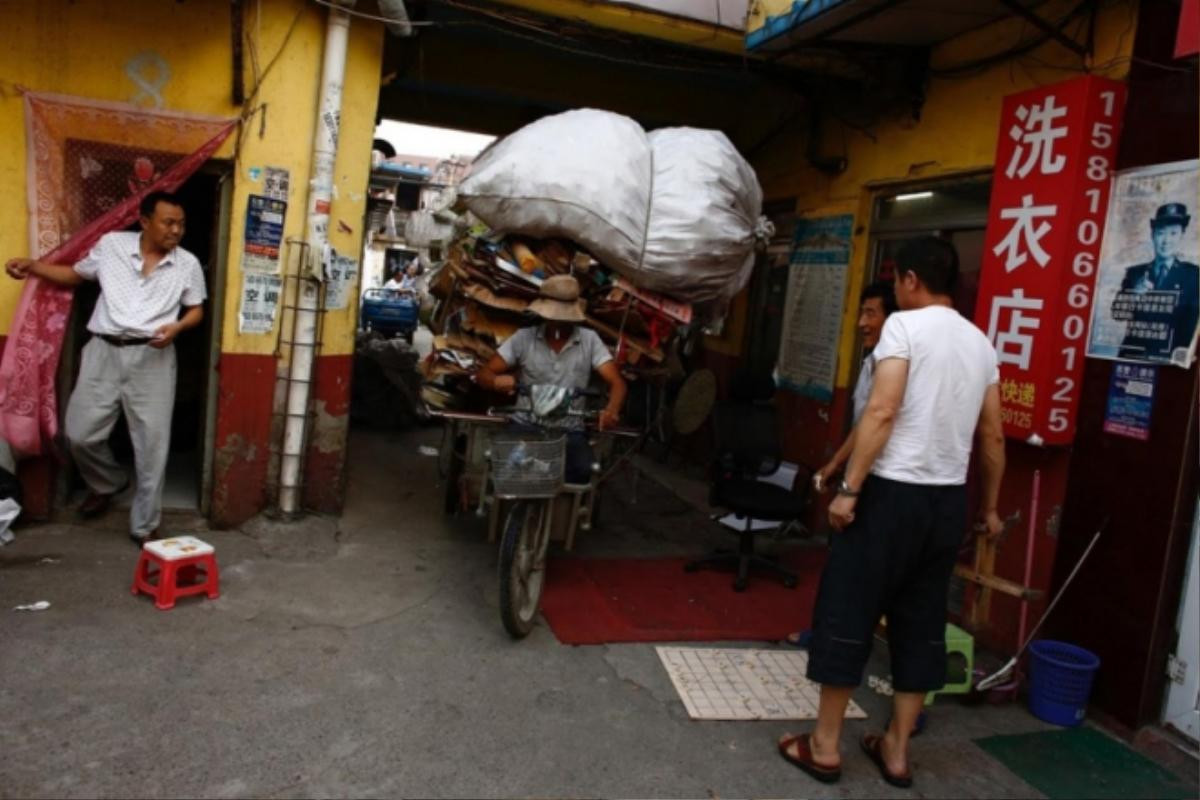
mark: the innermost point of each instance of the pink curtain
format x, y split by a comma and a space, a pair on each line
28, 405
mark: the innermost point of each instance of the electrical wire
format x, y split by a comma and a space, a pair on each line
252, 41
249, 109
287, 37
374, 17
972, 68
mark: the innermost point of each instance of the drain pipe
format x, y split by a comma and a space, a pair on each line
320, 196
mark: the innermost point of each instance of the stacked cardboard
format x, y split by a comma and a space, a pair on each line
484, 289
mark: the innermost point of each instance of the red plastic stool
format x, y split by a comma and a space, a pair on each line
183, 559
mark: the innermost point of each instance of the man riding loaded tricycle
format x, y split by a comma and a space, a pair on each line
532, 468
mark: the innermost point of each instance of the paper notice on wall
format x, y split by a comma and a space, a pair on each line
264, 234
276, 183
260, 300
1131, 400
340, 280
816, 291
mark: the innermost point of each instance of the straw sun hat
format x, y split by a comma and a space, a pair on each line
558, 300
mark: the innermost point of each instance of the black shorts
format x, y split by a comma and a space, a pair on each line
895, 559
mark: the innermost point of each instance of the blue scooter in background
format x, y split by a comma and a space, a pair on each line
391, 312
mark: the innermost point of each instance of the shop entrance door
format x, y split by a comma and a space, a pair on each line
1183, 691
205, 198
951, 209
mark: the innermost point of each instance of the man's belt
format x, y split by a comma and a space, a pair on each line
125, 341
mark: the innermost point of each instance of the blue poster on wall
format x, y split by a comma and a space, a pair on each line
264, 233
812, 322
1131, 400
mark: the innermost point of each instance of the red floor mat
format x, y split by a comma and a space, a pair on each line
600, 600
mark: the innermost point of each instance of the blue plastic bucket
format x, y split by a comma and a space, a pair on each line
1060, 681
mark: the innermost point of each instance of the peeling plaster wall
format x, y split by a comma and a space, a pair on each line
325, 461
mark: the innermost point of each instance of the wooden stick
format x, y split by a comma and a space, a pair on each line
653, 353
999, 584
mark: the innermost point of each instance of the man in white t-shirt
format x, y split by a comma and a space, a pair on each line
901, 511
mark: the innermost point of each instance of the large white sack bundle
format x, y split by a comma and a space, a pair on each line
676, 211
583, 175
704, 214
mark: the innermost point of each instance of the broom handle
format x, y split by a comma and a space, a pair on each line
1030, 539
1063, 590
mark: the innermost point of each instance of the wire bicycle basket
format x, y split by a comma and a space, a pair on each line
528, 465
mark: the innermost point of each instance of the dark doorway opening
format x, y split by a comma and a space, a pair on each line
201, 196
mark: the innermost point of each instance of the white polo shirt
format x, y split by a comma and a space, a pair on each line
131, 304
950, 366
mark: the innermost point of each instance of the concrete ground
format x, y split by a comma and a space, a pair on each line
364, 657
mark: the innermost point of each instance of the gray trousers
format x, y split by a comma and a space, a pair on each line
139, 380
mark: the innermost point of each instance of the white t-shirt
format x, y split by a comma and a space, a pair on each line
950, 366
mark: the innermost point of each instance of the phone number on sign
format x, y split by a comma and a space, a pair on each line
1019, 419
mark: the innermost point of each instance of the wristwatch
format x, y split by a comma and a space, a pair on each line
846, 490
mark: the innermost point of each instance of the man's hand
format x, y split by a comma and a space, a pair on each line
841, 511
164, 336
821, 477
991, 522
609, 419
505, 384
19, 268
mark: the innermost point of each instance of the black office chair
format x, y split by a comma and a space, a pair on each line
748, 448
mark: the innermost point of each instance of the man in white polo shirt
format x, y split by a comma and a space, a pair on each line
901, 512
129, 364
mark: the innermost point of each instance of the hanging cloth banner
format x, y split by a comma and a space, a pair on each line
89, 166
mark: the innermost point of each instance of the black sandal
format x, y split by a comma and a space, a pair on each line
870, 744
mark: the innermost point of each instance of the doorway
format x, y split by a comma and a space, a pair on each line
206, 200
1182, 708
954, 210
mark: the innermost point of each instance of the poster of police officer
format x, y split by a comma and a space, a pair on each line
1148, 285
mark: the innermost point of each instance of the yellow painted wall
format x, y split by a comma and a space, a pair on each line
956, 132
83, 47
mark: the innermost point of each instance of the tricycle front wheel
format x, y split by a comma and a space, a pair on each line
523, 545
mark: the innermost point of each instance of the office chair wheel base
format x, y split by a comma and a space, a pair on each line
790, 581
739, 584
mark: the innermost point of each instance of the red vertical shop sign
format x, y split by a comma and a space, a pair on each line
1049, 197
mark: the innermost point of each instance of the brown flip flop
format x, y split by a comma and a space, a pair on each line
804, 758
870, 744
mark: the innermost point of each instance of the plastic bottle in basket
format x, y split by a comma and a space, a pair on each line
517, 456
